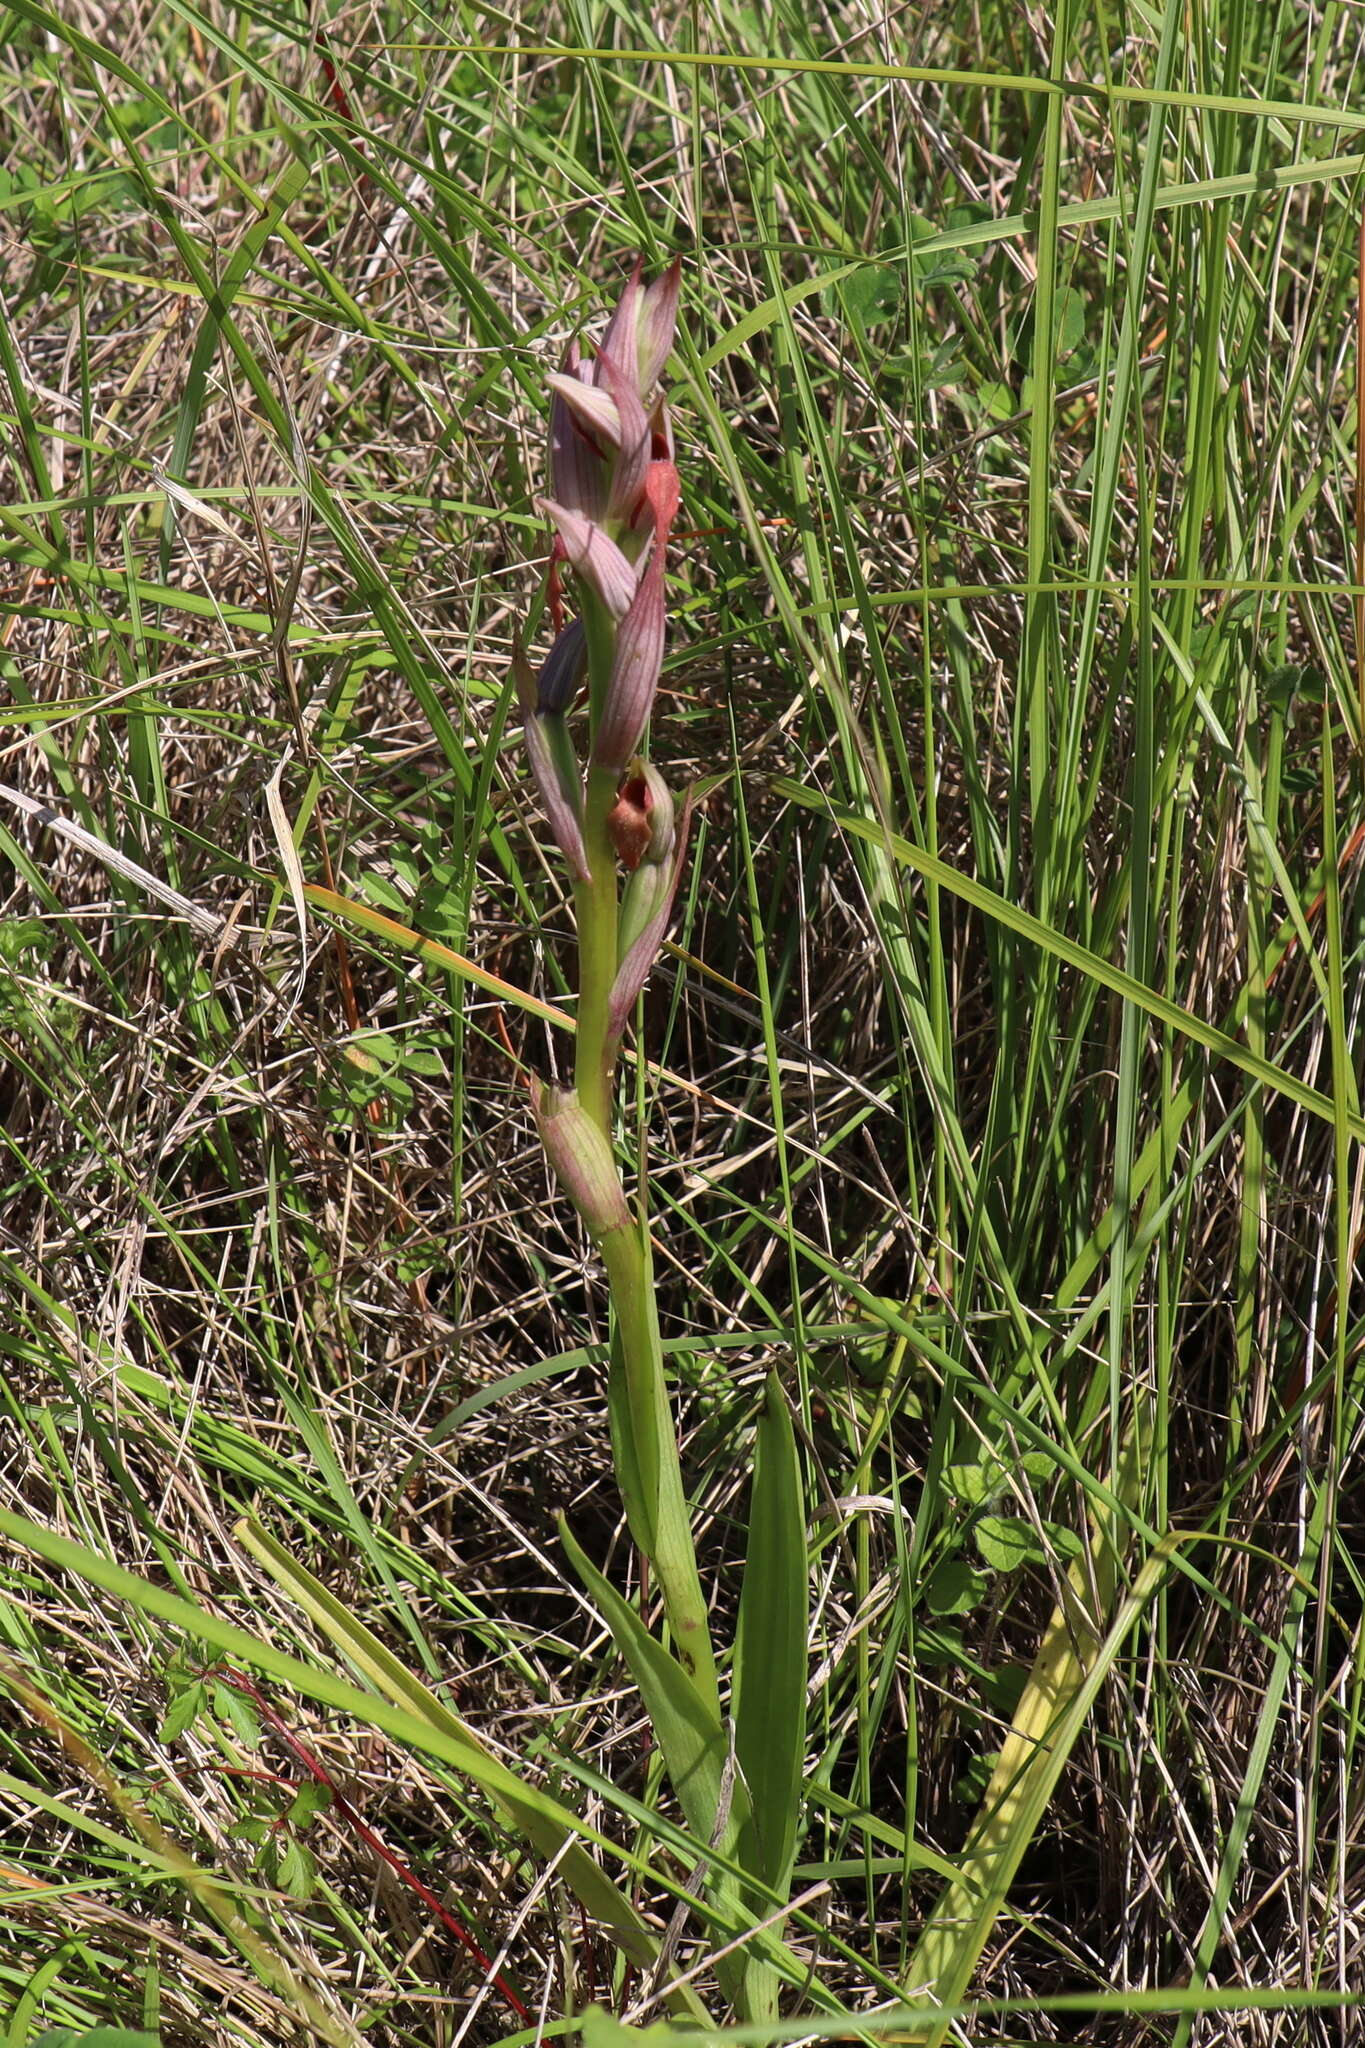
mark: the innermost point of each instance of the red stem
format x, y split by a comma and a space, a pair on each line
318, 1771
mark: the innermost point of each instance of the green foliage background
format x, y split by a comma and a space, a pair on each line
1001, 1086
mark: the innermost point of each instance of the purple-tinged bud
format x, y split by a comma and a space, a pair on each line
579, 472
582, 1160
563, 669
633, 443
593, 410
655, 325
595, 555
621, 340
634, 671
645, 911
554, 767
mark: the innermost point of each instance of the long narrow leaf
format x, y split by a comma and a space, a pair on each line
770, 1671
991, 904
771, 1650
689, 1734
694, 1747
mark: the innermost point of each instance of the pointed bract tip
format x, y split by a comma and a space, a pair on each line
635, 670
657, 324
621, 340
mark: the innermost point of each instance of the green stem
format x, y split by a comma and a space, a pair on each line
647, 1456
645, 1442
595, 910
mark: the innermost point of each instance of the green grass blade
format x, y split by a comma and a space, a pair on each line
402, 1707
548, 1828
771, 1648
1071, 1666
771, 1657
690, 1737
1179, 1019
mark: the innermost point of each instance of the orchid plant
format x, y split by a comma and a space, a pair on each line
615, 496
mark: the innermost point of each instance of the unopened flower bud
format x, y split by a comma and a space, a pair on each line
582, 1160
640, 334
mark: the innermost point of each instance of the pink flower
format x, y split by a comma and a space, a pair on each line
605, 423
645, 911
641, 820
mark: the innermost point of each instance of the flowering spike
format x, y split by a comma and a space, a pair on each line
582, 1160
594, 554
656, 323
657, 885
634, 671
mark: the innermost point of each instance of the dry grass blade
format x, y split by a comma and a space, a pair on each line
206, 923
